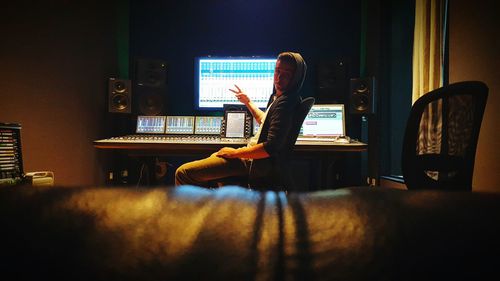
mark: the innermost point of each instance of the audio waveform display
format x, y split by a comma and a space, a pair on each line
217, 75
180, 125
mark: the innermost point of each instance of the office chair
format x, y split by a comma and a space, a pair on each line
280, 176
441, 136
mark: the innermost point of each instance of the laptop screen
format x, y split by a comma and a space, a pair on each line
324, 120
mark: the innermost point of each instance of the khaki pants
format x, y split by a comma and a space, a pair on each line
205, 171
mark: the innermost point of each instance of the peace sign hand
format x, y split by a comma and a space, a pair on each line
240, 95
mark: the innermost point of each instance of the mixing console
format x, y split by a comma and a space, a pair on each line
208, 139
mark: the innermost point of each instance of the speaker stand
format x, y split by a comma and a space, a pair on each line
369, 129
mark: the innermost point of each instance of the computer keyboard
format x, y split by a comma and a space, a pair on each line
325, 139
316, 139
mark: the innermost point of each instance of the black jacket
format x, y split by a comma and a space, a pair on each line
277, 124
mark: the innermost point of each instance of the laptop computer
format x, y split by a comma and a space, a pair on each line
324, 122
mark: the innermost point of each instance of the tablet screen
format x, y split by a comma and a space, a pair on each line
235, 124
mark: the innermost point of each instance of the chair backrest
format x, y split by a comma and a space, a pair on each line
301, 113
281, 177
440, 140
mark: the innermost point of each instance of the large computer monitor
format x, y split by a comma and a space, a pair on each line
216, 75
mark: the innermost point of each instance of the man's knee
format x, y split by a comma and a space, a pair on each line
180, 174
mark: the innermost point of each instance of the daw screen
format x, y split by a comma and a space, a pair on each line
207, 125
215, 76
179, 125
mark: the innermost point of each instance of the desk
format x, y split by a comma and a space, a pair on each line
158, 146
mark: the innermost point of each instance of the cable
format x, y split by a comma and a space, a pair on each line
140, 175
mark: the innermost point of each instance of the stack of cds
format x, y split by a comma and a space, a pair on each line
11, 163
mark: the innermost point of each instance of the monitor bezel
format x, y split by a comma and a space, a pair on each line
245, 114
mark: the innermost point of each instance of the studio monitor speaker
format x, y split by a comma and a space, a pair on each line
332, 82
150, 86
362, 96
119, 96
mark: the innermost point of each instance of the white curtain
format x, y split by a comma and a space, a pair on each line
428, 46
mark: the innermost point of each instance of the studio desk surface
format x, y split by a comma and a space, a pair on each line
176, 145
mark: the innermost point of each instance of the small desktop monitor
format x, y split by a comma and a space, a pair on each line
150, 125
180, 125
207, 125
216, 75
